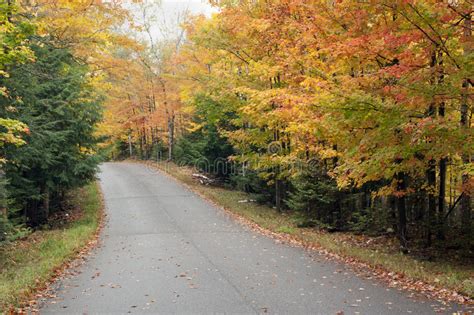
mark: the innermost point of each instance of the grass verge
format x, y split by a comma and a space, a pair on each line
29, 264
386, 261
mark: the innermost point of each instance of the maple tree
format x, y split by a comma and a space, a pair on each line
145, 99
375, 95
14, 32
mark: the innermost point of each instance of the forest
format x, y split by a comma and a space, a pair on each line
356, 115
53, 84
343, 125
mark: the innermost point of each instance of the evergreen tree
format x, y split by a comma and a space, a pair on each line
3, 207
316, 197
53, 98
206, 146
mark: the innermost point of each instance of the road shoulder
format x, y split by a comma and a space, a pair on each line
31, 265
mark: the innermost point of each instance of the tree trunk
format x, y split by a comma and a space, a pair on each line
46, 204
278, 194
431, 179
402, 215
466, 197
431, 171
3, 212
440, 235
392, 201
130, 148
31, 213
140, 143
145, 144
170, 137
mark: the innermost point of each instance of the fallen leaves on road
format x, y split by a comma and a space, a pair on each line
393, 279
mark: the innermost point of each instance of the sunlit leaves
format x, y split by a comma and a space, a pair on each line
355, 76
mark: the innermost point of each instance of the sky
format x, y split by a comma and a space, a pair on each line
167, 17
195, 6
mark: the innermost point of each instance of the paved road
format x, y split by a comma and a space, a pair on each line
165, 250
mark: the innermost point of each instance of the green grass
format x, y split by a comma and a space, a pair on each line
447, 274
28, 264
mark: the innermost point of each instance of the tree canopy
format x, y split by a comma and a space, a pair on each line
370, 98
344, 110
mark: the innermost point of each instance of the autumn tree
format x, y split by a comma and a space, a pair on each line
55, 76
350, 111
14, 32
372, 93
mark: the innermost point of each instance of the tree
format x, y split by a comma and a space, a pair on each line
56, 63
61, 113
373, 91
14, 32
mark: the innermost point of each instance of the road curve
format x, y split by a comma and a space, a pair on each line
166, 250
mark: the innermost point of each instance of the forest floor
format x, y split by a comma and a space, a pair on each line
28, 265
448, 278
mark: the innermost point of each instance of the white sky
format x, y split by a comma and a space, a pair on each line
195, 6
167, 17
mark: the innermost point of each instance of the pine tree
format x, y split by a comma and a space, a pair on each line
315, 196
53, 98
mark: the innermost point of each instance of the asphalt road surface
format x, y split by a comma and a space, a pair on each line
166, 250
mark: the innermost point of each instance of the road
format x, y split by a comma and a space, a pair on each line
166, 250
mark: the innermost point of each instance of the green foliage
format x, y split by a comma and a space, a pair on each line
14, 32
384, 103
53, 98
369, 221
312, 193
10, 230
3, 191
315, 196
4, 224
207, 147
249, 181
